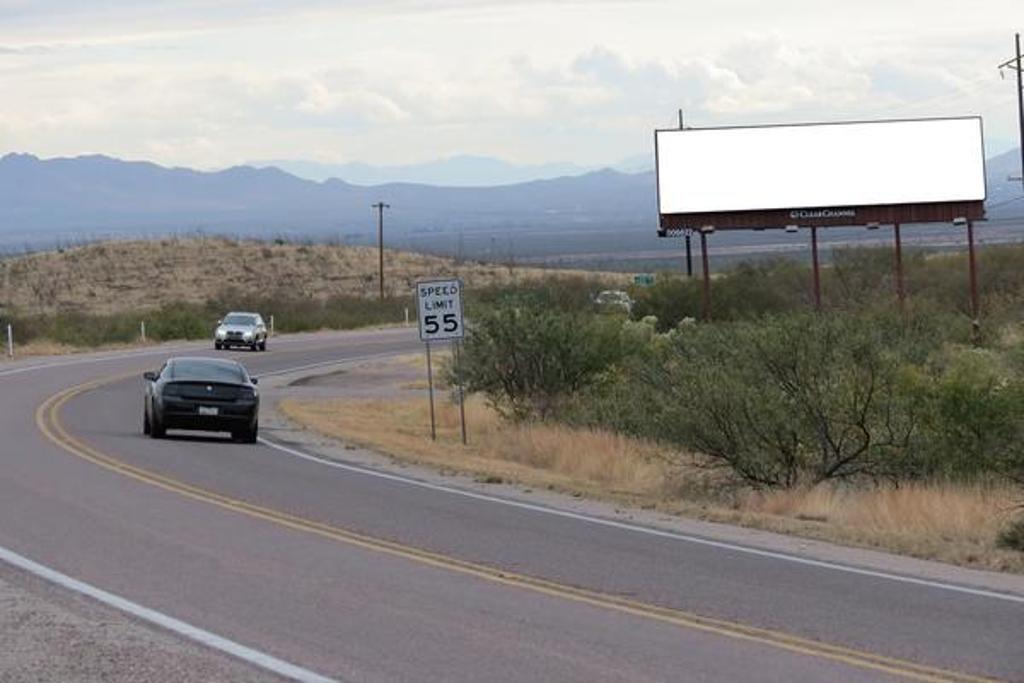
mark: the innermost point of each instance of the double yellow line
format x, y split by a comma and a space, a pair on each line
49, 423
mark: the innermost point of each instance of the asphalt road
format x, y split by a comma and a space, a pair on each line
368, 578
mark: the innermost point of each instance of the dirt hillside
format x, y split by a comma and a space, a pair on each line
131, 275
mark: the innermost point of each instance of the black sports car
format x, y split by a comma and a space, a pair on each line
201, 393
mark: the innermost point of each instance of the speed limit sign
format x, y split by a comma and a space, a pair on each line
440, 310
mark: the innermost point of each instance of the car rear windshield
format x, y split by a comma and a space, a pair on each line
207, 371
240, 320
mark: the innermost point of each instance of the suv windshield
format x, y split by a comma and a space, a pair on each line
240, 320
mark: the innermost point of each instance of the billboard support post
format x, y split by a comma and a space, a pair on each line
900, 291
817, 268
706, 298
972, 265
689, 256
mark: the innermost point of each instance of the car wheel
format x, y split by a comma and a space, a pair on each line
156, 428
145, 422
218, 345
246, 435
254, 346
263, 345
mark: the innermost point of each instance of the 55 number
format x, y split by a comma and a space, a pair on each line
432, 325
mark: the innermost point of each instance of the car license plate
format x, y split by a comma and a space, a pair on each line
208, 410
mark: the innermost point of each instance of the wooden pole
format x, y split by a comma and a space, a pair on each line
900, 291
706, 299
973, 267
817, 268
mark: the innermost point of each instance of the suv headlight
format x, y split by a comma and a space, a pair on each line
221, 333
247, 334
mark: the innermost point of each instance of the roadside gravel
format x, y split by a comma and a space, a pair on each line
49, 634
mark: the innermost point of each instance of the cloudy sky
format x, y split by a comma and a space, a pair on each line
208, 83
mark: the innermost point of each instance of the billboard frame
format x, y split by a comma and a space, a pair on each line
847, 214
959, 213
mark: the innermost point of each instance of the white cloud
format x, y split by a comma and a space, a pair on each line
403, 81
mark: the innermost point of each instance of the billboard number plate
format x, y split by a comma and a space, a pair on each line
439, 303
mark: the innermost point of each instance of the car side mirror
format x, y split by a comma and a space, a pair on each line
254, 380
219, 323
149, 376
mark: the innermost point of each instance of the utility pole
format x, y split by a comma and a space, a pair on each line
687, 232
1015, 64
380, 206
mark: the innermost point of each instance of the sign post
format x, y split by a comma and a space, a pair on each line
10, 341
439, 305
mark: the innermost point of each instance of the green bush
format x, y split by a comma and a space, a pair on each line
795, 399
196, 321
973, 419
180, 321
569, 294
529, 361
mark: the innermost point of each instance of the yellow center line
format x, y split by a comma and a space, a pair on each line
49, 423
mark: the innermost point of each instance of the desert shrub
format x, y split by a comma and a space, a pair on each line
750, 290
670, 299
1012, 537
572, 294
529, 361
974, 417
294, 313
179, 321
782, 401
77, 329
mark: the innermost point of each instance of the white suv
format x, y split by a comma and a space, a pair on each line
241, 329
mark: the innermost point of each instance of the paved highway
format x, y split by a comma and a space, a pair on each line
356, 576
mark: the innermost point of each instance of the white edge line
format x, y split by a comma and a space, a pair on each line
723, 545
322, 364
211, 640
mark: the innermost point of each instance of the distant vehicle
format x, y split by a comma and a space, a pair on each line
241, 329
614, 298
205, 394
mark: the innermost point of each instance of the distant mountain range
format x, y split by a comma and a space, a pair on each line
43, 201
456, 171
93, 196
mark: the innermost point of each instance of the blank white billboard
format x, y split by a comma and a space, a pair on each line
820, 165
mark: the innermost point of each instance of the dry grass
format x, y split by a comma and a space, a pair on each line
45, 347
952, 523
133, 275
955, 522
551, 456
